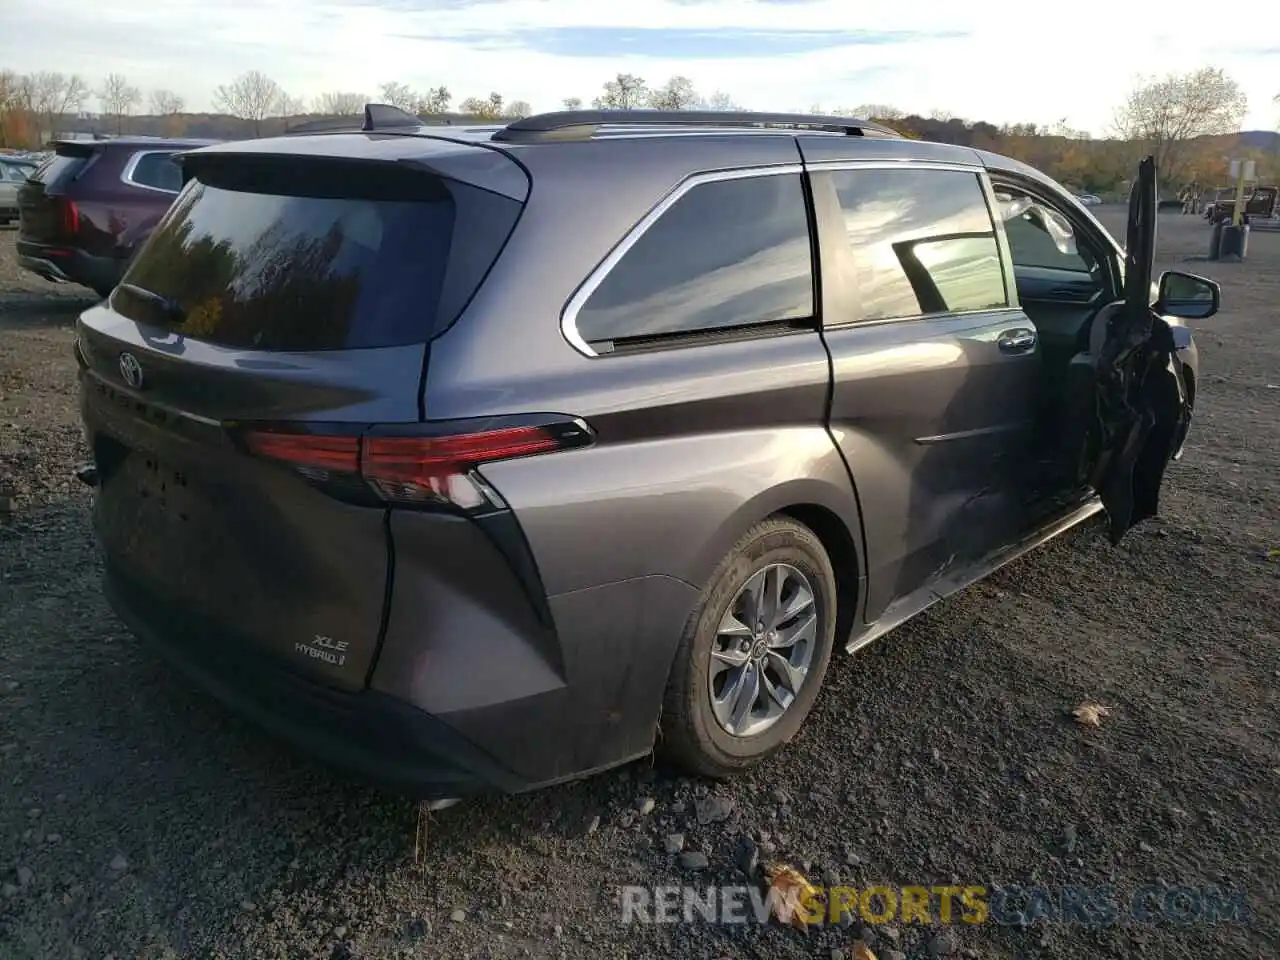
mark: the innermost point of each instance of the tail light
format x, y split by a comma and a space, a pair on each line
412, 465
68, 216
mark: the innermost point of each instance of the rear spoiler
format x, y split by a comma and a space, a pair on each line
74, 148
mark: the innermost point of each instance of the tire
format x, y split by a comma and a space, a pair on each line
689, 733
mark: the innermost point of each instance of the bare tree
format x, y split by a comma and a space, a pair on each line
398, 95
517, 109
53, 95
165, 103
626, 91
435, 100
291, 106
169, 106
721, 102
676, 94
253, 96
118, 98
572, 103
340, 104
877, 111
1164, 115
1064, 129
488, 108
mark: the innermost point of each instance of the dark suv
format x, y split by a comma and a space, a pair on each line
485, 458
87, 209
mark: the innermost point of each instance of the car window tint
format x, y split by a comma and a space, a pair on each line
316, 257
922, 242
157, 170
727, 254
1031, 245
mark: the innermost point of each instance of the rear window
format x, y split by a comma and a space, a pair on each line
61, 169
316, 256
15, 172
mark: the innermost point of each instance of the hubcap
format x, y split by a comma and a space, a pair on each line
763, 650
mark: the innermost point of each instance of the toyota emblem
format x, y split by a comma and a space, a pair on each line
131, 370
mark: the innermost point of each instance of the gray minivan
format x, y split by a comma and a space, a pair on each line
483, 458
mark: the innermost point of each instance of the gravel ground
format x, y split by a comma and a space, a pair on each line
140, 820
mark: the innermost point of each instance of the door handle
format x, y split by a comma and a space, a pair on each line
1020, 340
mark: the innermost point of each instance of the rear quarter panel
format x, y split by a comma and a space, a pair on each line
693, 444
687, 437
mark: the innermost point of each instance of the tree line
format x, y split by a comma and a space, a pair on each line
1186, 120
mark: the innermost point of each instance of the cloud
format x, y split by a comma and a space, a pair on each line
680, 44
971, 61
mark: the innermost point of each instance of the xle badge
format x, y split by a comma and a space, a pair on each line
331, 651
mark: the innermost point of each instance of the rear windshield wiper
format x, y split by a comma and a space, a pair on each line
170, 307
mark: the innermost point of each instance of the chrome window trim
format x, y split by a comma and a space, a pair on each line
126, 175
569, 316
880, 163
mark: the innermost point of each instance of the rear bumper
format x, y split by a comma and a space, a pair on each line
370, 734
63, 264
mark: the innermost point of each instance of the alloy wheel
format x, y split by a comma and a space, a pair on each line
763, 649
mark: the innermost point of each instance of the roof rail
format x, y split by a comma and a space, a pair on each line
583, 124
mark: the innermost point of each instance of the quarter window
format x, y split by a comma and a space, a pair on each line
157, 170
728, 254
922, 242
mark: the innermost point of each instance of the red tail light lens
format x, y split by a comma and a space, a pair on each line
68, 216
410, 468
422, 469
318, 452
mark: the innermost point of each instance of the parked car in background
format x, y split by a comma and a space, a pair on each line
13, 173
1088, 199
1260, 203
411, 462
87, 208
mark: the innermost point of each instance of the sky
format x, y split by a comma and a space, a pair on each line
996, 60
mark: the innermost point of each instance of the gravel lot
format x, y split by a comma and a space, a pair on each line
140, 820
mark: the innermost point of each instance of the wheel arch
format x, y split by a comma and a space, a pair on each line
842, 551
826, 506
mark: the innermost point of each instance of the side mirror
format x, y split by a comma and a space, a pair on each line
1187, 296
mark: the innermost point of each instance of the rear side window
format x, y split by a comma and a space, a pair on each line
727, 254
317, 256
155, 170
922, 242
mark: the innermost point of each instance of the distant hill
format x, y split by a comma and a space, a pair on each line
1268, 140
